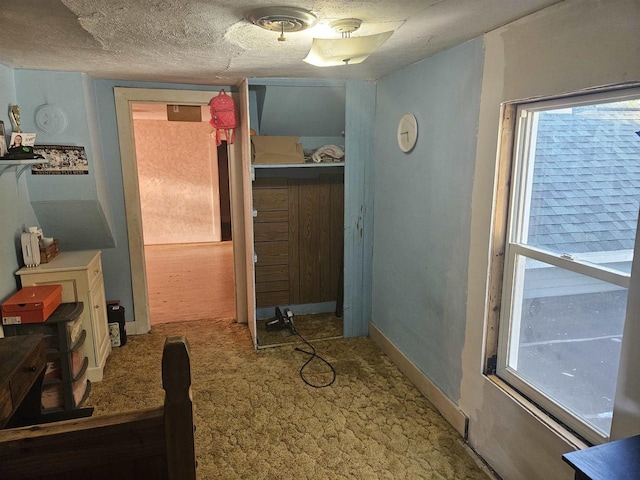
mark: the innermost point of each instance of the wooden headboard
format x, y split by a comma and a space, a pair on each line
155, 443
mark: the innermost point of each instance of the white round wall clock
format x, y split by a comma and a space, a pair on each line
50, 118
407, 132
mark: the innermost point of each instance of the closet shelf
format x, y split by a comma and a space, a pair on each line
300, 165
293, 167
21, 165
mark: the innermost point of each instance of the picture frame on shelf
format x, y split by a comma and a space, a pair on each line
62, 160
22, 139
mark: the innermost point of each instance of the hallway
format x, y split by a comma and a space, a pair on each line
190, 282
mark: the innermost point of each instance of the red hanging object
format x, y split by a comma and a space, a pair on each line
223, 116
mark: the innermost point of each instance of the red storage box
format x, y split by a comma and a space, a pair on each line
31, 304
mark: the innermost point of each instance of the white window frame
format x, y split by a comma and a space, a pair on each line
516, 230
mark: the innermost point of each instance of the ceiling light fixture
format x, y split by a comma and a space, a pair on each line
282, 19
347, 50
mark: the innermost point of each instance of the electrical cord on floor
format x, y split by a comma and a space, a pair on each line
313, 355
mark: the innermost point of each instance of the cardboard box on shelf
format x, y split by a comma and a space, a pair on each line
275, 150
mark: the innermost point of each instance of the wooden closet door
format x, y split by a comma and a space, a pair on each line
309, 239
320, 220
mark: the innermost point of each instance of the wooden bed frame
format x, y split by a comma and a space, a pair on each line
154, 444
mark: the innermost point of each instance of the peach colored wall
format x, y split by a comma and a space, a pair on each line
178, 177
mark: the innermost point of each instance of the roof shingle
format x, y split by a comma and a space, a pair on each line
586, 187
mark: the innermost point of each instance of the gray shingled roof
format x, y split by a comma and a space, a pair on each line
586, 190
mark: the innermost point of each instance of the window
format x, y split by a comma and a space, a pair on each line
573, 215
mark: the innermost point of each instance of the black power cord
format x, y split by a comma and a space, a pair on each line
313, 355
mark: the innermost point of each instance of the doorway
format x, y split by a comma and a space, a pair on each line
183, 182
239, 178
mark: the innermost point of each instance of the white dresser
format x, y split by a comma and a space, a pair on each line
80, 274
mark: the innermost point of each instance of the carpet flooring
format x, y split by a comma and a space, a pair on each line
256, 419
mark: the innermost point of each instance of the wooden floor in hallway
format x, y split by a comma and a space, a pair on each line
190, 282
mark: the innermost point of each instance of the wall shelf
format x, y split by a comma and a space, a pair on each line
300, 165
20, 165
307, 168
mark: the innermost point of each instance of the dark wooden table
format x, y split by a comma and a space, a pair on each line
22, 366
610, 461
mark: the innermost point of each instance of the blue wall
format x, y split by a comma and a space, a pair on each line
73, 208
423, 208
15, 209
315, 112
312, 111
358, 206
65, 90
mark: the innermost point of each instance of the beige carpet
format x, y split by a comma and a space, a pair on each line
317, 326
256, 419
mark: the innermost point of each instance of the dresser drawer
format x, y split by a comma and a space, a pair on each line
271, 232
266, 287
269, 199
272, 253
272, 299
94, 271
272, 273
275, 216
28, 372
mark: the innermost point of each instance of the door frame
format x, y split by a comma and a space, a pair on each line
124, 98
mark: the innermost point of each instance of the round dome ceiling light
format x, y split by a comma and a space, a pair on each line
282, 19
346, 26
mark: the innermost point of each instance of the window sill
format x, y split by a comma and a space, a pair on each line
560, 430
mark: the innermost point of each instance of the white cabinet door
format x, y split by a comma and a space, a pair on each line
98, 314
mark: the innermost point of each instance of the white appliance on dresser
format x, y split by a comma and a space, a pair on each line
80, 274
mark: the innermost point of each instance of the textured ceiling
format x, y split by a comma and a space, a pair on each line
208, 41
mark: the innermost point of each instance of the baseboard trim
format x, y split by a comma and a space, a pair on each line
443, 404
95, 374
133, 328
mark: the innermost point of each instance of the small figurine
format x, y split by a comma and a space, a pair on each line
15, 117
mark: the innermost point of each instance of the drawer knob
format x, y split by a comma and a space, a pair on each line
96, 307
32, 368
96, 271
